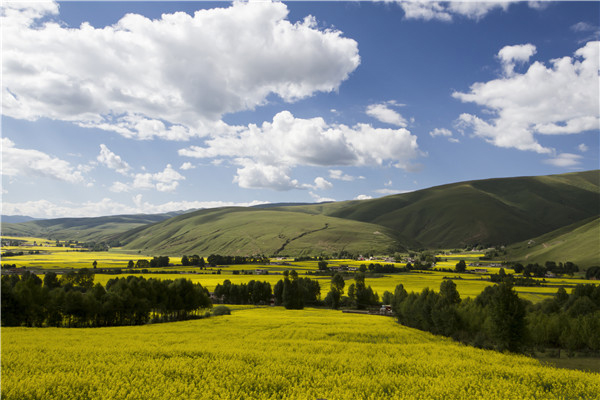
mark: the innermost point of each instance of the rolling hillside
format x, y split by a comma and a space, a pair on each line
578, 243
489, 212
493, 211
245, 231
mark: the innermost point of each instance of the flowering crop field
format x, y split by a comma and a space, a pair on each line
271, 353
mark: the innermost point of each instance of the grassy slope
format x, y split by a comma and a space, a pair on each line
578, 243
489, 211
82, 229
247, 231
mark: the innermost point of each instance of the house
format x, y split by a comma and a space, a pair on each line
260, 272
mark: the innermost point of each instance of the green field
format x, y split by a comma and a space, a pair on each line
271, 353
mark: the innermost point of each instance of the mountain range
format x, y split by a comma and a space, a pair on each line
500, 211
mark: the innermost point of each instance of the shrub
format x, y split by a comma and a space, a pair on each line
221, 310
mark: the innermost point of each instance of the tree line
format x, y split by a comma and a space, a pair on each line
75, 301
217, 259
498, 319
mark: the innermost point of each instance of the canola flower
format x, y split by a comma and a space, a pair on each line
271, 353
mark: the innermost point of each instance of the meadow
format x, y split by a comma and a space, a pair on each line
271, 353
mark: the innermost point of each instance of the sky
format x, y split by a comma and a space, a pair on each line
149, 107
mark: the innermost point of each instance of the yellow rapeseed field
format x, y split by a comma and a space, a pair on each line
271, 353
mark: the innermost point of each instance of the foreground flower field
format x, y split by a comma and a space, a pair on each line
270, 353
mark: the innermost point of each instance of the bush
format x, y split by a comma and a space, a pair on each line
221, 310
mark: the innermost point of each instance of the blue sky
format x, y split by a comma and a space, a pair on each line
147, 107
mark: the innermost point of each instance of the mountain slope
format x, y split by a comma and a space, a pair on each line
493, 211
578, 243
246, 231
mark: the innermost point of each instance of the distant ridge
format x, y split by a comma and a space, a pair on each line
15, 219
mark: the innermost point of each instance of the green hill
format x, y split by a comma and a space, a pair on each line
82, 229
487, 212
493, 211
246, 231
578, 243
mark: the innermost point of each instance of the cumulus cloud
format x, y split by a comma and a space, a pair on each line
172, 77
363, 197
164, 181
341, 176
112, 161
319, 199
32, 163
383, 113
511, 55
447, 133
582, 148
107, 206
267, 153
322, 184
187, 165
564, 160
446, 11
560, 99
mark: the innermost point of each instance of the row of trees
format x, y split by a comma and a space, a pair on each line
217, 259
193, 261
360, 296
75, 301
499, 319
540, 271
253, 292
293, 292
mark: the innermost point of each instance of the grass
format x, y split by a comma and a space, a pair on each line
578, 243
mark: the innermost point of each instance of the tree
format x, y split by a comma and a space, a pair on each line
322, 265
461, 266
449, 294
507, 317
130, 264
95, 264
185, 261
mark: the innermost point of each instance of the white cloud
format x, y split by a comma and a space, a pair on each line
112, 161
172, 77
363, 197
30, 163
164, 181
440, 132
319, 199
268, 152
107, 206
187, 165
322, 184
453, 140
518, 54
254, 175
339, 175
391, 191
388, 183
383, 113
582, 148
565, 160
561, 99
446, 11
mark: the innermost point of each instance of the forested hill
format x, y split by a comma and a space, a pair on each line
492, 211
